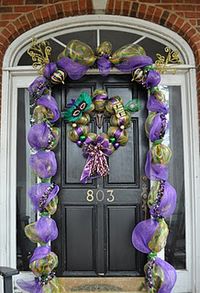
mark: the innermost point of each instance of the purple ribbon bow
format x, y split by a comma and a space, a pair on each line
96, 164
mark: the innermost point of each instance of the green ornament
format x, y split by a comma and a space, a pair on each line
112, 139
82, 138
44, 214
152, 255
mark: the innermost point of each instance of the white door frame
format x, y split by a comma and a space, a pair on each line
16, 77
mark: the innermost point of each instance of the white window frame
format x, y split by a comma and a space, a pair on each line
20, 77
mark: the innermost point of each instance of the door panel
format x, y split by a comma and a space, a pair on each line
120, 219
79, 238
96, 220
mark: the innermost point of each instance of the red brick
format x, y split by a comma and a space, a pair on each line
182, 7
75, 9
38, 16
18, 26
171, 20
5, 9
89, 6
12, 2
31, 19
190, 32
142, 10
45, 13
110, 6
3, 23
189, 14
10, 16
11, 28
24, 22
52, 12
179, 23
134, 9
67, 8
150, 12
166, 6
126, 7
24, 8
35, 1
118, 6
82, 6
157, 15
59, 10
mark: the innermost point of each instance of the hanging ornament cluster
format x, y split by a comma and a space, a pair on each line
76, 59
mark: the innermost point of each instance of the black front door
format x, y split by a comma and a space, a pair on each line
96, 220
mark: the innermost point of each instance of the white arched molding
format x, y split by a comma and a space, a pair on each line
20, 76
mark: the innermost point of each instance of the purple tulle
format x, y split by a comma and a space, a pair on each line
154, 105
143, 233
132, 63
158, 127
46, 229
49, 69
40, 252
155, 171
170, 276
167, 204
32, 286
39, 136
38, 86
50, 103
104, 65
38, 190
44, 164
96, 164
153, 79
74, 69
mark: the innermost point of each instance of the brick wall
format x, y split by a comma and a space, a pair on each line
181, 16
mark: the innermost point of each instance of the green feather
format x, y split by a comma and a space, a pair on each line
68, 114
133, 105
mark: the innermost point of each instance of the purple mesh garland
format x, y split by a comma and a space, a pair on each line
47, 229
38, 86
158, 127
167, 203
38, 190
169, 276
130, 64
104, 65
39, 136
154, 105
50, 103
143, 233
40, 252
74, 69
153, 79
155, 171
43, 164
49, 69
30, 286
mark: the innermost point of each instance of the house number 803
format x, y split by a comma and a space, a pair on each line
100, 195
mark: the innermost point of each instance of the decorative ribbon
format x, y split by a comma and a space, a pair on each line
96, 164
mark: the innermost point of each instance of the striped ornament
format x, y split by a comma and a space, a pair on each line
58, 77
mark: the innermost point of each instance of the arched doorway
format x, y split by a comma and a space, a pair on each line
18, 74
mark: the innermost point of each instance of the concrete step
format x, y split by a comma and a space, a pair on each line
102, 284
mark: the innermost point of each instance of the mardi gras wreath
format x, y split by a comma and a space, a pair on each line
149, 236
